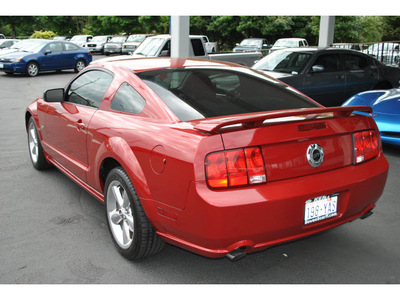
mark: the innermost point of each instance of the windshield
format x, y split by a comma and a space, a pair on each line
286, 43
20, 44
149, 47
283, 61
118, 39
136, 38
251, 43
203, 93
79, 38
99, 39
30, 46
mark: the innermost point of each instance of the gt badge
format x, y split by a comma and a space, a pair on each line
315, 155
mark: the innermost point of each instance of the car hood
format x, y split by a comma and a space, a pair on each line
6, 51
15, 54
276, 75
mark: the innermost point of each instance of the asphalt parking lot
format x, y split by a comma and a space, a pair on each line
52, 231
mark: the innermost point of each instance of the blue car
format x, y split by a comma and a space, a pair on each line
386, 111
45, 55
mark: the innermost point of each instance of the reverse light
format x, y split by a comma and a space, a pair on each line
239, 167
365, 145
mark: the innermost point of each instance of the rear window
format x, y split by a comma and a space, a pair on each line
203, 93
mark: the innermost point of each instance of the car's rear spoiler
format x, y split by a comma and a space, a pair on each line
251, 120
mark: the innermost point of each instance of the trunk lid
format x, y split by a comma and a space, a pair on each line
289, 139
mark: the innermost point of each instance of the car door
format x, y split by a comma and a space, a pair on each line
361, 73
69, 55
66, 123
51, 58
324, 80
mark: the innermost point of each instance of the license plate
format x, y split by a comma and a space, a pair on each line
320, 208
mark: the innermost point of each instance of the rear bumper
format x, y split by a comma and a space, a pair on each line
214, 223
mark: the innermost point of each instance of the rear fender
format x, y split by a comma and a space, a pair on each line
119, 150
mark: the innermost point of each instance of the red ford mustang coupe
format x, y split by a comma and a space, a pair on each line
213, 157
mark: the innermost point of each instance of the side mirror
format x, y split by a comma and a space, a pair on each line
54, 95
318, 68
48, 51
165, 53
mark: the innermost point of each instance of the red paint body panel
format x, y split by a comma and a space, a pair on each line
165, 157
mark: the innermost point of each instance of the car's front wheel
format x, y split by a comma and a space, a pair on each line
79, 66
32, 69
35, 147
132, 232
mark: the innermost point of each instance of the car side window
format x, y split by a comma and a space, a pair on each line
89, 88
70, 47
127, 99
198, 48
330, 62
355, 62
54, 47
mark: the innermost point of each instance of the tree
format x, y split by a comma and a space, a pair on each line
391, 28
19, 25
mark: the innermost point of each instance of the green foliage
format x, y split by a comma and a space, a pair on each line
226, 30
391, 30
43, 35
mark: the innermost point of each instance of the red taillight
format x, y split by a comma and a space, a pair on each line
235, 168
365, 146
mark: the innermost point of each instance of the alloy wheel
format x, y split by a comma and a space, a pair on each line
33, 142
32, 69
119, 214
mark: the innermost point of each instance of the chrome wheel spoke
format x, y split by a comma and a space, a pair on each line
126, 233
116, 189
129, 221
125, 200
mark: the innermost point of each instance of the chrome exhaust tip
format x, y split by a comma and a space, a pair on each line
236, 254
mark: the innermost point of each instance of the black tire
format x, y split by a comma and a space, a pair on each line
80, 65
32, 69
36, 153
131, 231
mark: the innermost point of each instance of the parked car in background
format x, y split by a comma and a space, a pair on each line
81, 40
211, 47
357, 47
62, 38
14, 47
7, 43
2, 36
34, 56
96, 44
289, 43
133, 42
252, 45
330, 75
114, 46
160, 46
385, 106
212, 157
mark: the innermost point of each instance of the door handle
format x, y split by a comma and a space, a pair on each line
80, 125
340, 76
